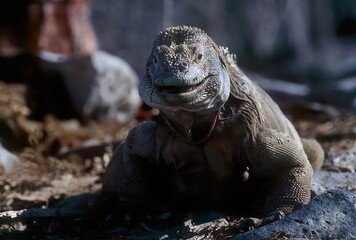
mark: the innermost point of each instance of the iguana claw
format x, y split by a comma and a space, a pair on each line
250, 224
253, 223
275, 216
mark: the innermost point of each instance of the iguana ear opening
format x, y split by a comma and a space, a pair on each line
221, 58
226, 65
223, 63
224, 56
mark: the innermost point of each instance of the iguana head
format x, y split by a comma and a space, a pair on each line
185, 72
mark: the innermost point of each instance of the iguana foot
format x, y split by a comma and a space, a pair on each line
253, 223
250, 224
275, 216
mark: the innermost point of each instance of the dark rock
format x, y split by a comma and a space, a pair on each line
328, 216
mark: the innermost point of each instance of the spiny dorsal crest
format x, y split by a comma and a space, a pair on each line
179, 35
231, 58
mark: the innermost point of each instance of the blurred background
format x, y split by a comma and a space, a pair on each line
311, 42
77, 50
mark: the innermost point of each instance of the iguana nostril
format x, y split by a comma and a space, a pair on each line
183, 65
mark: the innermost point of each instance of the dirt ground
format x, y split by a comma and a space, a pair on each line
46, 174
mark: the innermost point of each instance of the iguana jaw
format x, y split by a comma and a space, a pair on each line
192, 86
204, 97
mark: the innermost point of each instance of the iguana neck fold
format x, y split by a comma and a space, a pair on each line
193, 128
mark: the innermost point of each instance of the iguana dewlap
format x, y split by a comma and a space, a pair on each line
220, 140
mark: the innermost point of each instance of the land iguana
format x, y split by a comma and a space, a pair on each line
219, 140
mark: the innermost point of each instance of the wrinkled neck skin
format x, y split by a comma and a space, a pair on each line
194, 128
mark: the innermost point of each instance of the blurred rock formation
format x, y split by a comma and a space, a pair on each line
51, 47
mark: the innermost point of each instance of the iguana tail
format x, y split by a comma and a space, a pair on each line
314, 151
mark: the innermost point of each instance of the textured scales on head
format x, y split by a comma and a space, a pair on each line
188, 34
179, 35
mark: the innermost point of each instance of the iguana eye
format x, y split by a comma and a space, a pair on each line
199, 56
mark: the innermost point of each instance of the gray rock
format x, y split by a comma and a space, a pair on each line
346, 160
324, 180
328, 216
116, 89
100, 85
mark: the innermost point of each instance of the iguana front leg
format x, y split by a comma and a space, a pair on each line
130, 175
275, 156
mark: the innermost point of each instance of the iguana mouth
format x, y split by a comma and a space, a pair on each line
177, 89
182, 89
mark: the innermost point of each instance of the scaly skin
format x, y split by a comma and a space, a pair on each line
220, 140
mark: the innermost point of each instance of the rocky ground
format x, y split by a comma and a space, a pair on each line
47, 174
